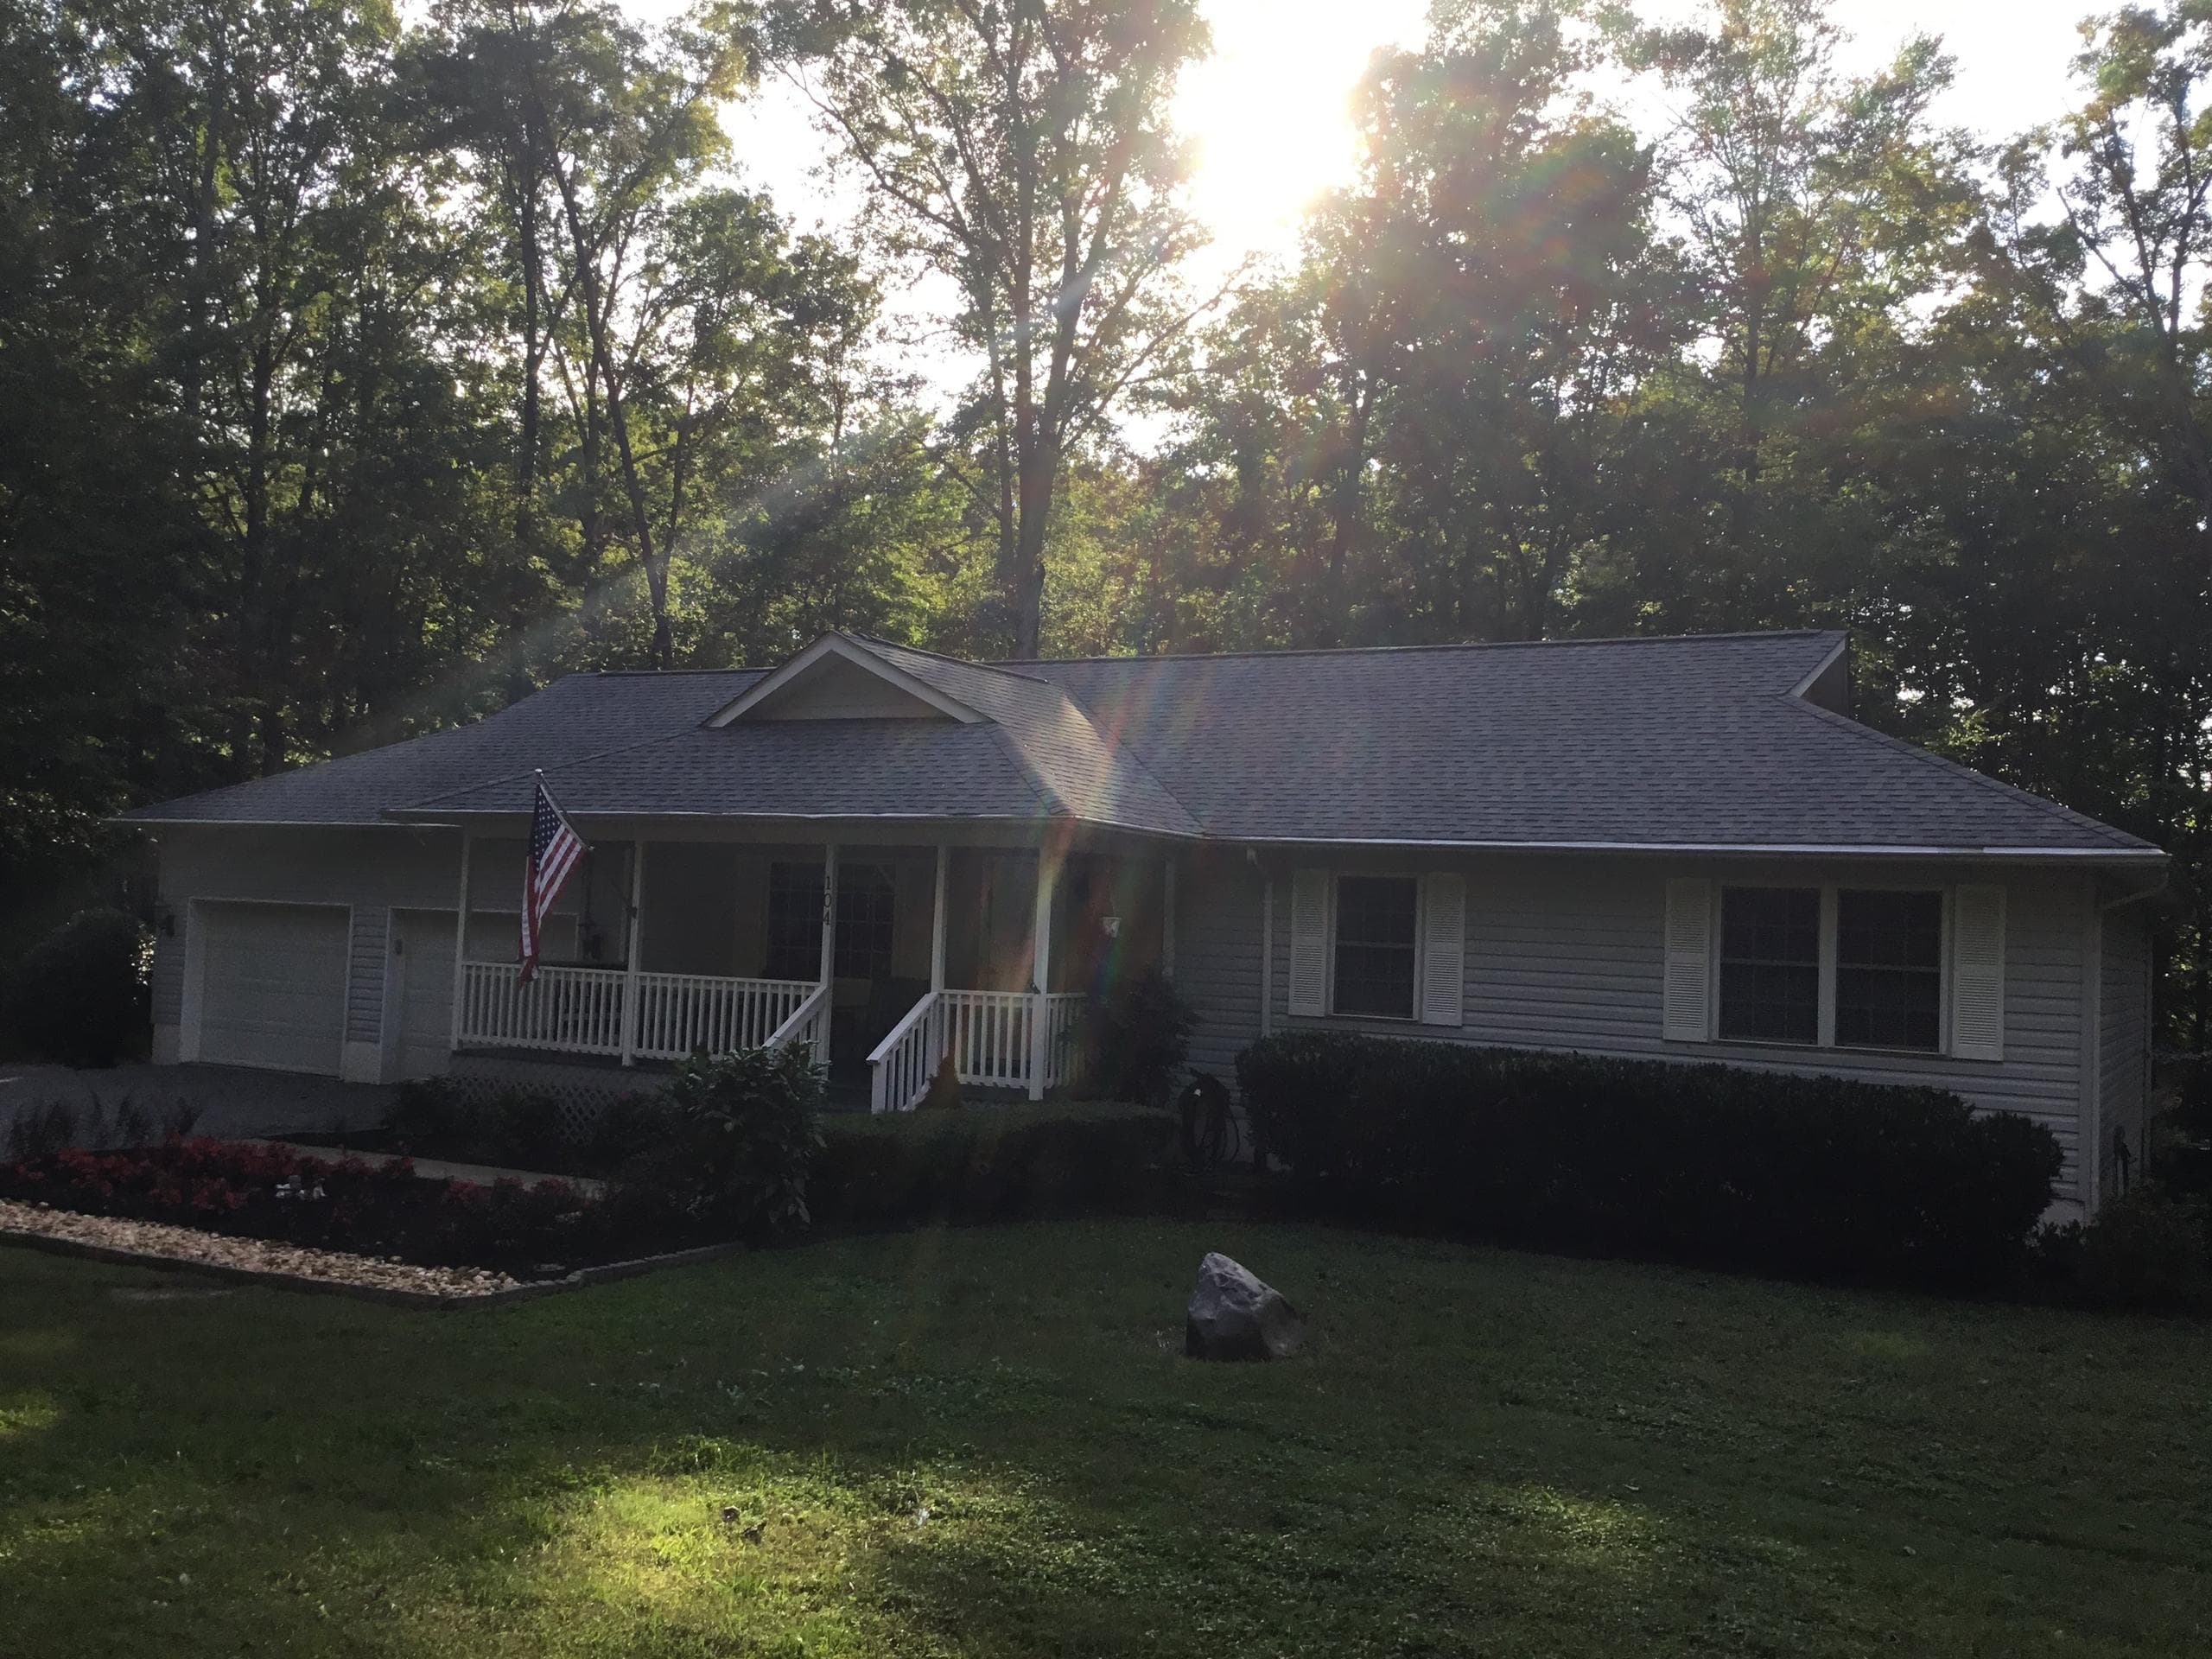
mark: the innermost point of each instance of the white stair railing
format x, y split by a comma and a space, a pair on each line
809, 1025
904, 1063
681, 1014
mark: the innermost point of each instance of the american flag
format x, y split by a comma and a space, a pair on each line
553, 850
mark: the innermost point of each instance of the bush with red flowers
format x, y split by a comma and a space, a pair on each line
276, 1192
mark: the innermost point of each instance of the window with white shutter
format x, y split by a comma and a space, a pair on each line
1686, 999
1309, 942
1978, 973
1444, 951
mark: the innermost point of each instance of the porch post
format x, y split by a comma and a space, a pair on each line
1167, 918
829, 948
460, 943
1040, 969
630, 953
936, 917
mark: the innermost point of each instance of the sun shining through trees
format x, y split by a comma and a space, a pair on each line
362, 371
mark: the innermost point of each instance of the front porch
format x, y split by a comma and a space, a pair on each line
879, 959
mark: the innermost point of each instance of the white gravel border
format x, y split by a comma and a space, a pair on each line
190, 1247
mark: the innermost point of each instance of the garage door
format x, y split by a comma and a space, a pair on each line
423, 970
272, 988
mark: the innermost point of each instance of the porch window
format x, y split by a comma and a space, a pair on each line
865, 905
1771, 964
1888, 970
1376, 954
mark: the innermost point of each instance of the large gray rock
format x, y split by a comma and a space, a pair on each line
1234, 1316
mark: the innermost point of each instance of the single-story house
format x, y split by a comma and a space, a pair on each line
1673, 848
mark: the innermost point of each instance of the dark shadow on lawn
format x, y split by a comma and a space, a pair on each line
985, 1442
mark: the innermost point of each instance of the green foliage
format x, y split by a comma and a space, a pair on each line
981, 1440
81, 995
740, 1141
994, 1164
1136, 1039
2149, 1250
1776, 1172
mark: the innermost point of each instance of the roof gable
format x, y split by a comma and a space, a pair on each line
838, 678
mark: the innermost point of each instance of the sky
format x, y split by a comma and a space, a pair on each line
1268, 110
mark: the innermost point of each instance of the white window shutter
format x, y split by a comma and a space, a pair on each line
1309, 942
1444, 951
1686, 1013
1978, 973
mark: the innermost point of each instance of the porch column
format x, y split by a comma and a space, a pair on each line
630, 953
829, 950
1167, 917
936, 917
460, 943
1040, 969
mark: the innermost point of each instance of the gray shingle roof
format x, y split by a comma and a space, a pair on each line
577, 716
1679, 742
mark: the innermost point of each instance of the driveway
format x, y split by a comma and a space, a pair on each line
233, 1100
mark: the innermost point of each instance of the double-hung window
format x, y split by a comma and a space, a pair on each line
1888, 970
1377, 946
1771, 964
1856, 968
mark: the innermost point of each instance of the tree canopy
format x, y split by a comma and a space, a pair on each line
361, 370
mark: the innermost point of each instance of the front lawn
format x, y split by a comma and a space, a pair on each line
984, 1442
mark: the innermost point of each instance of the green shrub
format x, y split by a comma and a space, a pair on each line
80, 996
1699, 1163
2148, 1250
741, 1142
994, 1163
1136, 1040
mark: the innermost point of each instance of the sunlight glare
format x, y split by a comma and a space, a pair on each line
1268, 111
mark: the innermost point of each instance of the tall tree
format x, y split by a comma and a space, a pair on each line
1024, 150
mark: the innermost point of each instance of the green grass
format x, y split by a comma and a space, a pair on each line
1481, 1452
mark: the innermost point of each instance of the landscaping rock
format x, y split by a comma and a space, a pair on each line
1233, 1315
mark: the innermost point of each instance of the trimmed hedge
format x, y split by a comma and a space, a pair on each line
992, 1163
1708, 1164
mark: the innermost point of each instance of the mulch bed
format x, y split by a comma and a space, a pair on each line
289, 1267
157, 1242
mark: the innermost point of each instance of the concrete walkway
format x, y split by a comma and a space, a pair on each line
233, 1101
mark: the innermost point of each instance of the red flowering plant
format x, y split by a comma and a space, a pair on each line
273, 1191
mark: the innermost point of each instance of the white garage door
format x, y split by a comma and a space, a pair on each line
272, 987
423, 971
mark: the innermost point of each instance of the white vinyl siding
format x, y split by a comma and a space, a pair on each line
1217, 899
1572, 953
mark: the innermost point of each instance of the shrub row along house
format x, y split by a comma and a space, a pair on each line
1667, 847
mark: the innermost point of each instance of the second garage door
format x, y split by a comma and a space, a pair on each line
273, 985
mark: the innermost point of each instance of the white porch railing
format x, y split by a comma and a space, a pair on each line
566, 1010
989, 1034
569, 1010
680, 1013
